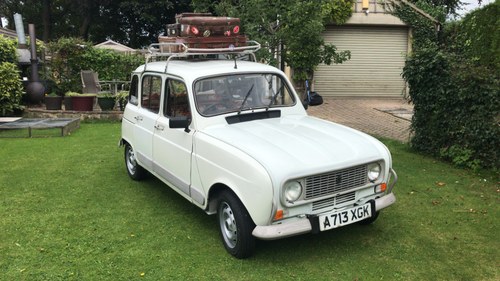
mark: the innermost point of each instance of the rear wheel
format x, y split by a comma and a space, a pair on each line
134, 170
235, 226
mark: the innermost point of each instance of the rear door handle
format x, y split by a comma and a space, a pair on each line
159, 127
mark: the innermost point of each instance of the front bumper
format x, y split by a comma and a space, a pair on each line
305, 224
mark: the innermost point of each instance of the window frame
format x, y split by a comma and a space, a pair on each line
148, 106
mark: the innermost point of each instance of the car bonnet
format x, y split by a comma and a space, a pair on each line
295, 146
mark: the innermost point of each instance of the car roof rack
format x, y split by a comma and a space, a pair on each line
168, 51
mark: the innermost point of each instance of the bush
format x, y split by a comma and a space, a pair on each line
7, 50
11, 89
71, 55
454, 86
479, 32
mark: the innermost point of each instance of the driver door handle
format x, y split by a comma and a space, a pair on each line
138, 118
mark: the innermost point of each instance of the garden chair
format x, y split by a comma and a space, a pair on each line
90, 83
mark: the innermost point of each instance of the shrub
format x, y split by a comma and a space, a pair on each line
71, 55
7, 50
479, 32
454, 88
11, 89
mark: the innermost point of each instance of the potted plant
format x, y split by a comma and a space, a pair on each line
106, 101
53, 101
68, 100
122, 97
83, 102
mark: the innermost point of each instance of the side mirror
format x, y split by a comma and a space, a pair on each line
305, 104
180, 123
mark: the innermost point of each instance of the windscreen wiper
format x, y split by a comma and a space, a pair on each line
245, 99
273, 99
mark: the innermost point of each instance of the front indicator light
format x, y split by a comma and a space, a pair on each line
381, 188
279, 215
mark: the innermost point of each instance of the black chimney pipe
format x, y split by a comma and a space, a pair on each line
35, 89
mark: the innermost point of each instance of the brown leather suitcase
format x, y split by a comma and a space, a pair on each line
202, 42
203, 25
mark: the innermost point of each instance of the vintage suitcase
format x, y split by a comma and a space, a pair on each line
173, 29
202, 42
204, 25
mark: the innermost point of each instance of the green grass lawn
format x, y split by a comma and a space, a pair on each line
68, 211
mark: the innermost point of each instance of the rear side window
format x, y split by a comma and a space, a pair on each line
134, 92
151, 89
176, 101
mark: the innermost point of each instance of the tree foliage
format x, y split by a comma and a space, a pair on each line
287, 29
131, 22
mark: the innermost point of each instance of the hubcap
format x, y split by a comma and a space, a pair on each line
131, 163
228, 225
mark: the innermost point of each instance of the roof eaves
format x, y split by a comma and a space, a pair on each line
419, 11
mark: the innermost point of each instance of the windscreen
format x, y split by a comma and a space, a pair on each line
242, 92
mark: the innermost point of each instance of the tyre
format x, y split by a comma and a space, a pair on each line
134, 170
235, 226
370, 220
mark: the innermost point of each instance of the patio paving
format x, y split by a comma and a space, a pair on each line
390, 118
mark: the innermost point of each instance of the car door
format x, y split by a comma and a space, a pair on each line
146, 116
172, 148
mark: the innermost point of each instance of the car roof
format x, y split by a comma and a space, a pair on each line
194, 69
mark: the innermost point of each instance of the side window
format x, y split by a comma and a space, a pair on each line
151, 89
176, 101
134, 91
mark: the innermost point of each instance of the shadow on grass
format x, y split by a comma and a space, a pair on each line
335, 242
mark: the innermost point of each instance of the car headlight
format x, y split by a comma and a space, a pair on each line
293, 191
374, 170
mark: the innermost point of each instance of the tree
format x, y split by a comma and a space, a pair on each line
288, 29
132, 22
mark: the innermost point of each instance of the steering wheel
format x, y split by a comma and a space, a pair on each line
213, 108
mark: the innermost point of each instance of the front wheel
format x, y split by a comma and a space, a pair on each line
235, 226
134, 170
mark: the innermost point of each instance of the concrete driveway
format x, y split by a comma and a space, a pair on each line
389, 118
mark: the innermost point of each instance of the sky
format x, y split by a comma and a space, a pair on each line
472, 4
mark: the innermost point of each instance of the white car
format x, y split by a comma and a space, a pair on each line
233, 138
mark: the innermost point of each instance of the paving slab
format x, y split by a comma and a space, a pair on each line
389, 118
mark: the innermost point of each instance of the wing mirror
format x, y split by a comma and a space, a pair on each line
182, 122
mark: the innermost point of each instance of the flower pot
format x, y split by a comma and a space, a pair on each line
82, 103
53, 103
106, 103
68, 104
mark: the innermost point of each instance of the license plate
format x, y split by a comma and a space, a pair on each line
345, 217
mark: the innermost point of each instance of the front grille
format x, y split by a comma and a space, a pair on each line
332, 201
335, 182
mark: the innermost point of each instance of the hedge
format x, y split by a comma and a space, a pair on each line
454, 86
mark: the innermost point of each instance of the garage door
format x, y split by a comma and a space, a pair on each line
377, 60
